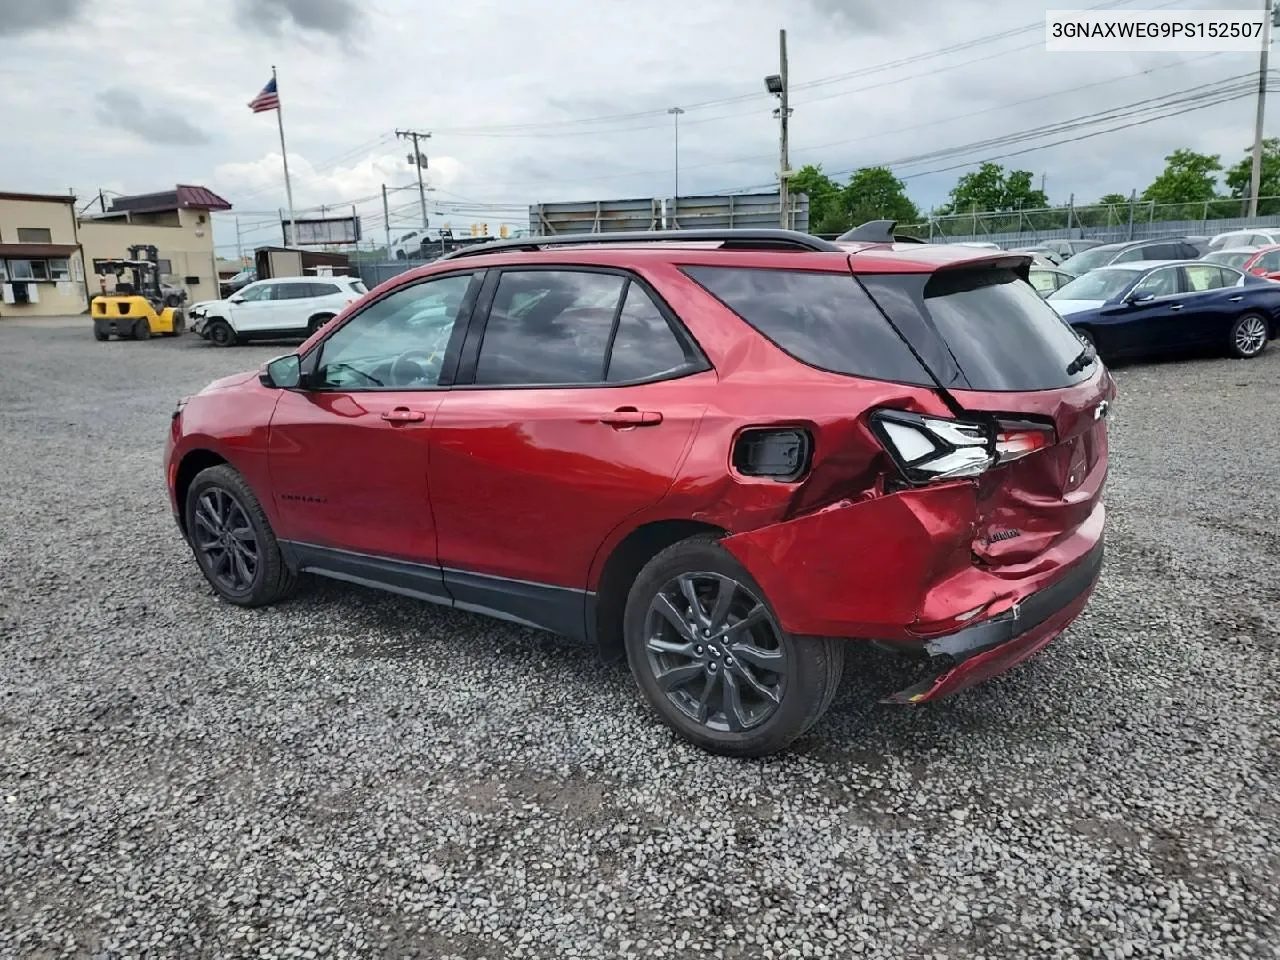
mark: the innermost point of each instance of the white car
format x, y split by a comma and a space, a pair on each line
278, 308
1236, 239
409, 247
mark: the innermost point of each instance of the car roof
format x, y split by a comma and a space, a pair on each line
1143, 264
1248, 250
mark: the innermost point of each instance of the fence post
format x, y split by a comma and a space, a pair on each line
1071, 209
1133, 202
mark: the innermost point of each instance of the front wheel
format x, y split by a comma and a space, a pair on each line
233, 543
100, 333
711, 658
1248, 336
141, 330
220, 333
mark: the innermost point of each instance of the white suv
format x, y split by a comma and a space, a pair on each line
275, 309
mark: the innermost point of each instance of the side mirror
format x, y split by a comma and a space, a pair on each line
282, 373
237, 299
1135, 298
1258, 272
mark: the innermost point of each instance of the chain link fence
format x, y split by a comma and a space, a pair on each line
1133, 220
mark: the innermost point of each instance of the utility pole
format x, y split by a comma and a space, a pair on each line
783, 113
419, 161
239, 248
675, 112
386, 218
1255, 176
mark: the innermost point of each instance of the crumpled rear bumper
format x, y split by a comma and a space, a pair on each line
976, 653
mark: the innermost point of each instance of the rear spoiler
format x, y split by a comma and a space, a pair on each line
1019, 263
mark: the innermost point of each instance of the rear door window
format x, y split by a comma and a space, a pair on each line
824, 320
1205, 276
548, 327
644, 345
1270, 262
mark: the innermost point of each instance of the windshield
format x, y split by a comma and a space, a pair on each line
1088, 260
1229, 258
1099, 285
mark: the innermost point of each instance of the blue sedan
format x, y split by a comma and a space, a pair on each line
1162, 306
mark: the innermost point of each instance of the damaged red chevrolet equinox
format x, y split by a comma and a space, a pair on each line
725, 454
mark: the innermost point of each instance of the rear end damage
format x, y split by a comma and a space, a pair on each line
983, 539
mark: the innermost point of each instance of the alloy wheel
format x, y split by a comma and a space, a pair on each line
1251, 335
715, 651
225, 540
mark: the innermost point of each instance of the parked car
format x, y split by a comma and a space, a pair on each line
1063, 248
238, 282
1041, 254
1149, 308
274, 309
1258, 237
409, 246
1233, 257
1048, 279
980, 244
724, 461
1130, 251
1263, 262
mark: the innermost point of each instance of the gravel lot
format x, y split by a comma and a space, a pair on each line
357, 775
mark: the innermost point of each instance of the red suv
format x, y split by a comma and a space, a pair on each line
727, 454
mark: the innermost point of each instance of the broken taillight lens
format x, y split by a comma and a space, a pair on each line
927, 449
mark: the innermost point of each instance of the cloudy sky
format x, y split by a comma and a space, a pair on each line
543, 100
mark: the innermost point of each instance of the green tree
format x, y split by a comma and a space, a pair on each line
874, 193
991, 188
1239, 177
824, 198
1112, 200
1188, 177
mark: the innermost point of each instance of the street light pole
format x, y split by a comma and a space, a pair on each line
675, 112
777, 85
1255, 175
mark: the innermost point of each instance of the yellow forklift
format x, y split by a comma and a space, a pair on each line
139, 307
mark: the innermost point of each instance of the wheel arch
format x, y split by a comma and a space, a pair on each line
191, 464
619, 570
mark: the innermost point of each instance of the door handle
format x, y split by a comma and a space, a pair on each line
631, 417
1236, 299
404, 415
1175, 306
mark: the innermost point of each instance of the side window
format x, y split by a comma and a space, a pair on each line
1043, 281
645, 345
1158, 283
322, 290
1127, 256
1270, 262
399, 341
292, 291
548, 327
1203, 276
260, 293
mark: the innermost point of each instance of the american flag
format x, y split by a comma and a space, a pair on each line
268, 99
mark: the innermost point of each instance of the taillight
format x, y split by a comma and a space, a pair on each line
927, 449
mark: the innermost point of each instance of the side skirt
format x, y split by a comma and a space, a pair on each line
559, 610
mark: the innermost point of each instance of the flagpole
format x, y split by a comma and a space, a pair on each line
284, 155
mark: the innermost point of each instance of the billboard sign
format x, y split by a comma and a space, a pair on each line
322, 231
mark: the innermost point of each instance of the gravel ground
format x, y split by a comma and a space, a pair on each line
357, 775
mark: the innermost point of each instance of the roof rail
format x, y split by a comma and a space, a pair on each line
731, 239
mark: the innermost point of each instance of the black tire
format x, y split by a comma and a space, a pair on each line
172, 300
1248, 336
100, 333
219, 333
401, 255
805, 679
268, 578
317, 322
141, 330
179, 324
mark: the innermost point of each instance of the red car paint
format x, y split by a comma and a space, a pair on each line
1269, 269
538, 488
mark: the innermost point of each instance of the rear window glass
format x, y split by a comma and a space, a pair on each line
1002, 335
824, 320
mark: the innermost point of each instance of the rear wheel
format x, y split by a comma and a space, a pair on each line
317, 322
711, 658
220, 333
141, 330
100, 333
233, 543
1248, 336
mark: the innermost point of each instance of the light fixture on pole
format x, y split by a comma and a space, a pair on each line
675, 112
776, 84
